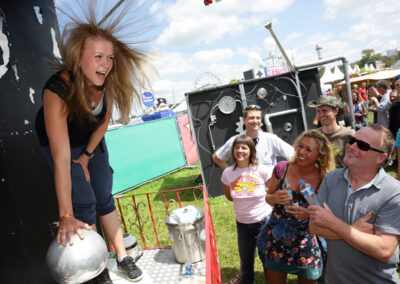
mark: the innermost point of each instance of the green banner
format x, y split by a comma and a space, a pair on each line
141, 152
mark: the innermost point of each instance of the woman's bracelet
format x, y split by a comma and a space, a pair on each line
69, 215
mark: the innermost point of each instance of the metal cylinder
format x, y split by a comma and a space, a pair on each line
188, 240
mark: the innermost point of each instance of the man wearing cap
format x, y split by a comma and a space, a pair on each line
360, 209
327, 109
268, 145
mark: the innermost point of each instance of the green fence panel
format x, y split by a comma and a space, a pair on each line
141, 152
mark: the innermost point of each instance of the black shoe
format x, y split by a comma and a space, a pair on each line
129, 268
103, 278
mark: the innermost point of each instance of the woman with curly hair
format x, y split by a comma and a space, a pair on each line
98, 70
289, 247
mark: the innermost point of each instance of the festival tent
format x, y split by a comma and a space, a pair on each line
328, 76
351, 71
337, 74
371, 67
380, 75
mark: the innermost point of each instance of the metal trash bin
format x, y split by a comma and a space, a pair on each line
188, 239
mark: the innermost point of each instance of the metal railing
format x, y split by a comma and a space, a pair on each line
144, 215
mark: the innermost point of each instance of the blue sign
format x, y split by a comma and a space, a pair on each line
148, 99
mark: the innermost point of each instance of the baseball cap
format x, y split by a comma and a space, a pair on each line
332, 101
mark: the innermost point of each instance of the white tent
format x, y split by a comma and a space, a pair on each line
181, 107
371, 67
366, 68
337, 74
328, 76
351, 71
380, 75
356, 68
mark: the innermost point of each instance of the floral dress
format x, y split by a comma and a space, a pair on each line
290, 248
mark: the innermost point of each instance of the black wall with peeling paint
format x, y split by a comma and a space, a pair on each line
28, 202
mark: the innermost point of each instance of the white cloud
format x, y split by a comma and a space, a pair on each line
293, 36
173, 63
188, 19
213, 55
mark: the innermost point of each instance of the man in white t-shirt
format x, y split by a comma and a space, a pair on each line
268, 145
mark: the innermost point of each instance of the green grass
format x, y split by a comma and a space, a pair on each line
222, 214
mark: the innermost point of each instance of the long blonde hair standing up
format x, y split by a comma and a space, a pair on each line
128, 77
326, 162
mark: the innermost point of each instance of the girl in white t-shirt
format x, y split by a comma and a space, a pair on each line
244, 184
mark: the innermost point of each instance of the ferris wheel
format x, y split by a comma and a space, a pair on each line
206, 80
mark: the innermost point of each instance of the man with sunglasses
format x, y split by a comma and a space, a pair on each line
360, 212
268, 145
328, 108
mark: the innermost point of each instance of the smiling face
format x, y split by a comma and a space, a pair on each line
96, 60
326, 115
356, 158
253, 120
241, 152
354, 96
307, 152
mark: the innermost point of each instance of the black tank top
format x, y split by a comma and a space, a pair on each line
78, 131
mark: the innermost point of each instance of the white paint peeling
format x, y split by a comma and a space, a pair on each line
56, 50
31, 92
14, 67
3, 180
38, 14
6, 53
26, 122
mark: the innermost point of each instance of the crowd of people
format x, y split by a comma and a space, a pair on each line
351, 234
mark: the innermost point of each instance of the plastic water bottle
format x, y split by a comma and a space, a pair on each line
286, 186
188, 269
308, 193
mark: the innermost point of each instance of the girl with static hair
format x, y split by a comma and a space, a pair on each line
98, 70
244, 184
287, 244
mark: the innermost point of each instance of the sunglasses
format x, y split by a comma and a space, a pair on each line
253, 107
363, 146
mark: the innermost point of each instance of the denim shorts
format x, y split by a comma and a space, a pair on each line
94, 197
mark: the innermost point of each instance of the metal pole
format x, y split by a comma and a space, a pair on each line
243, 95
320, 62
348, 90
111, 11
303, 111
268, 26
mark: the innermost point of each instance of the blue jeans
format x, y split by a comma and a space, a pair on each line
247, 237
366, 104
89, 198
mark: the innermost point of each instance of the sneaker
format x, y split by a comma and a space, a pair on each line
103, 278
129, 268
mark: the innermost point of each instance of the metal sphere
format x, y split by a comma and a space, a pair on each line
78, 263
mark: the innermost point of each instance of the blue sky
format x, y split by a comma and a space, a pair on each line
191, 39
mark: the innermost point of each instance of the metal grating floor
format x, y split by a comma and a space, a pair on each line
160, 267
